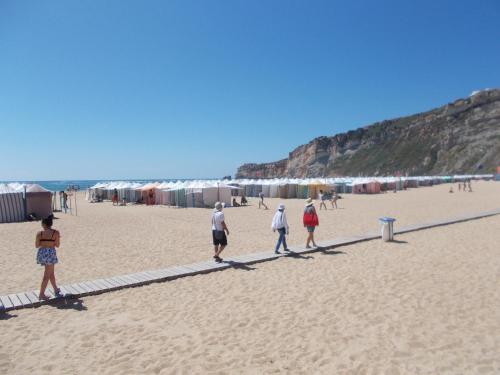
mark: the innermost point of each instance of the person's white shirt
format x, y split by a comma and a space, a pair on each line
217, 219
279, 221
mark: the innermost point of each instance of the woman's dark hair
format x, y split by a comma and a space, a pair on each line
47, 221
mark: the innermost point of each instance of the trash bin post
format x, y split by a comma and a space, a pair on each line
387, 231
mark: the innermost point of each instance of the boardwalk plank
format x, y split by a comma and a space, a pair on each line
166, 273
16, 302
134, 278
114, 284
6, 302
154, 275
129, 280
143, 277
201, 266
71, 290
78, 288
65, 291
24, 299
102, 284
85, 287
120, 280
95, 288
181, 271
33, 297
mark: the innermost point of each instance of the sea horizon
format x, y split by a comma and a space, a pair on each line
58, 185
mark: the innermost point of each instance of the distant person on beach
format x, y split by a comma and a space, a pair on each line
219, 231
311, 221
235, 204
151, 197
451, 189
280, 224
46, 241
333, 199
261, 201
244, 201
322, 199
459, 186
115, 197
470, 187
64, 197
465, 186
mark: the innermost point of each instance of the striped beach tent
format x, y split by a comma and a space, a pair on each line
11, 205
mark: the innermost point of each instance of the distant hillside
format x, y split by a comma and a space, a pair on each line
460, 137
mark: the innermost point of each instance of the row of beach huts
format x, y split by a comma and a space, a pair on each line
19, 202
206, 193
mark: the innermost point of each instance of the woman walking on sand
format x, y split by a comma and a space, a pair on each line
46, 241
280, 224
219, 230
311, 221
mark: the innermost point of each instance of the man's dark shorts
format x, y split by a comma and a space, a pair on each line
222, 241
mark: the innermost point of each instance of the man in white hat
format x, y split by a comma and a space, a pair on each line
219, 231
280, 224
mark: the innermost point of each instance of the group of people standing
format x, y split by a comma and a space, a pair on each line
279, 224
325, 197
463, 186
466, 185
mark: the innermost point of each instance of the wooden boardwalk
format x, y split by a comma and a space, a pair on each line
76, 290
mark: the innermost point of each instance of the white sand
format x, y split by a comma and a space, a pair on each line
427, 305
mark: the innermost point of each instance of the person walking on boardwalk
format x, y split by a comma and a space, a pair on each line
311, 221
261, 201
280, 224
219, 231
46, 241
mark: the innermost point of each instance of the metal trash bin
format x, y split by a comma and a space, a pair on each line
387, 228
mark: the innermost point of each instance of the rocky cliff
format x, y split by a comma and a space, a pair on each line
458, 138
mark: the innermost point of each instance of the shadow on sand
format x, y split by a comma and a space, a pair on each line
295, 255
398, 241
239, 266
68, 303
4, 315
331, 252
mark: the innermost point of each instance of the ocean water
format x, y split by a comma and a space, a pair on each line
84, 184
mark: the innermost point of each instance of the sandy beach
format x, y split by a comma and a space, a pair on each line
106, 240
426, 304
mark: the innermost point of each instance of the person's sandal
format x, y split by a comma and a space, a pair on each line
58, 293
43, 298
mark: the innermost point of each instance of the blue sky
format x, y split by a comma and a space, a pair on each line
172, 89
